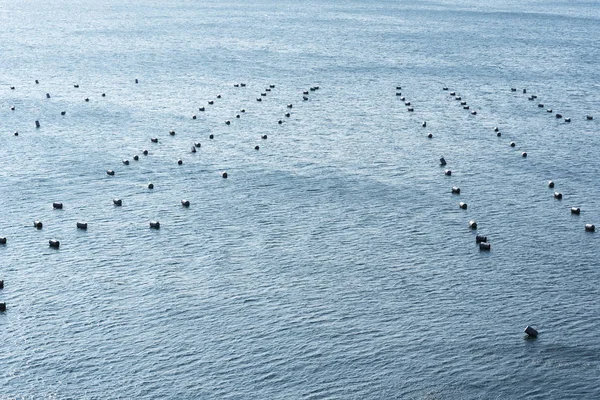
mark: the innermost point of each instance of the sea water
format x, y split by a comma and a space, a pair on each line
333, 262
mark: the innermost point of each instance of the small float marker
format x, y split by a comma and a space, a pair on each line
531, 332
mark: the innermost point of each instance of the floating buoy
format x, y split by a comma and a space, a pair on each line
524, 154
242, 84
228, 122
550, 184
442, 161
267, 90
1, 284
524, 90
540, 105
430, 136
473, 112
82, 225
452, 93
37, 82
466, 107
179, 162
87, 99
136, 80
499, 134
118, 202
306, 92
458, 98
154, 225
185, 203
151, 185
480, 239
290, 105
444, 88
485, 246
237, 115
549, 110
558, 196
236, 85
288, 115
558, 115
103, 94
154, 140
575, 210
407, 103
589, 117
304, 98
424, 124
531, 98
16, 133
145, 152
272, 86
2, 307
136, 158
472, 224
211, 102
496, 129
201, 109
264, 137
280, 122
462, 205
57, 206
38, 224
410, 109
2, 240
193, 149
37, 124
455, 190
258, 99
243, 110
54, 243
512, 144
532, 333
211, 136
263, 94
12, 108
402, 98
463, 103
47, 95
126, 162
224, 175
590, 228
63, 112
312, 89
256, 147
197, 144
218, 96
513, 89
172, 132
110, 172
567, 119
447, 172
398, 87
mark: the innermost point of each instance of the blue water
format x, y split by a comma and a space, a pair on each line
332, 263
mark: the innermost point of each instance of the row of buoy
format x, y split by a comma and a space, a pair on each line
549, 110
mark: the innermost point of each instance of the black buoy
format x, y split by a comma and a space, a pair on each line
473, 112
185, 203
228, 122
264, 137
410, 109
512, 144
499, 134
480, 239
558, 195
472, 224
224, 175
197, 144
237, 115
2, 307
154, 140
211, 136
180, 162
272, 86
3, 240
590, 227
531, 332
524, 154
513, 89
136, 80
218, 96
575, 210
126, 162
258, 99
57, 206
466, 107
280, 122
442, 161
37, 124
458, 98
201, 109
424, 124
194, 116
485, 246
87, 99
103, 94
550, 184
455, 190
242, 84
172, 132
524, 90
430, 136
243, 110
263, 94
290, 105
54, 243
63, 112
38, 224
567, 119
47, 95
496, 129
145, 152
16, 133
12, 108
463, 103
452, 93
540, 105
118, 202
447, 172
304, 98
462, 205
211, 102
1, 284
558, 116
256, 147
589, 117
37, 82
82, 225
154, 225
236, 85
110, 172
136, 158
288, 115
306, 92
193, 149
549, 110
444, 88
151, 185
407, 103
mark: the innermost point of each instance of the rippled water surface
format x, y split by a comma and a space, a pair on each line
333, 262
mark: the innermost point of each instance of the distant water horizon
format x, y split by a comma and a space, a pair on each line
334, 260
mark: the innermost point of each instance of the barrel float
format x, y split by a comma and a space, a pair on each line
57, 206
118, 202
179, 162
172, 132
398, 87
410, 109
280, 122
407, 103
38, 224
272, 86
211, 102
499, 134
398, 93
211, 136
263, 94
228, 122
194, 116
480, 239
567, 119
531, 332
136, 80
533, 96
590, 227
126, 162
151, 185
82, 225
87, 99
455, 190
430, 136
145, 152
558, 195
466, 107
110, 172
496, 129
513, 89
1, 284
288, 115
575, 210
264, 137
473, 112
257, 147
549, 110
185, 203
442, 161
485, 246
306, 92
224, 175
558, 115
136, 158
2, 307
201, 109
524, 154
447, 172
154, 225
550, 184
463, 103
54, 243
2, 240
458, 98
472, 224
37, 124
154, 140
524, 91
197, 144
193, 149
258, 99
237, 115
63, 112
512, 144
462, 206
424, 124
452, 93
290, 105
47, 95
589, 117
218, 96
444, 88
16, 133
540, 105
243, 110
236, 85
242, 84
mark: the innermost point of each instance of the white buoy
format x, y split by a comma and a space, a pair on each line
455, 190
472, 224
558, 195
462, 205
590, 227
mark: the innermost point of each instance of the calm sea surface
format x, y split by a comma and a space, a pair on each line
333, 262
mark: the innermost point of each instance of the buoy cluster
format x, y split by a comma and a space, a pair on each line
533, 97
